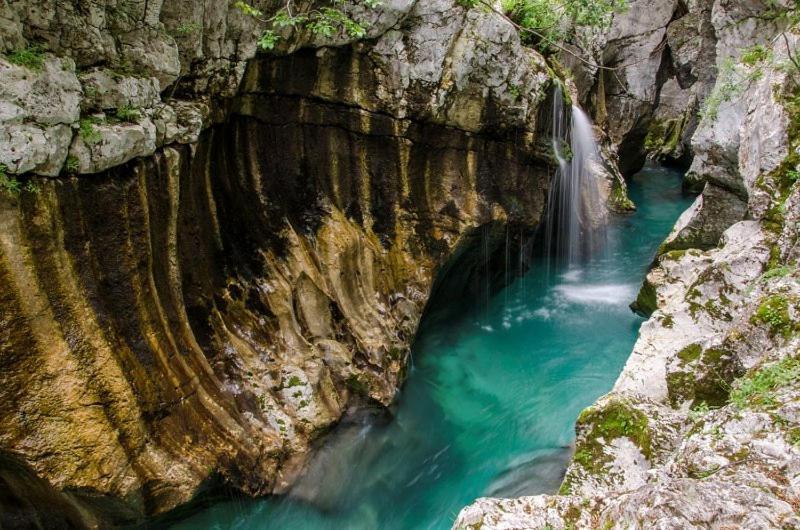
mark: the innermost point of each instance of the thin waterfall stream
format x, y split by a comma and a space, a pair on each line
491, 400
576, 216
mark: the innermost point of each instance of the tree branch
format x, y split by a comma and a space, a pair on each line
557, 45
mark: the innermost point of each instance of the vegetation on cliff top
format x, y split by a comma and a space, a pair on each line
325, 21
734, 76
542, 23
545, 24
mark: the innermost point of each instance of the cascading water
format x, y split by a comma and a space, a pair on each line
575, 212
490, 405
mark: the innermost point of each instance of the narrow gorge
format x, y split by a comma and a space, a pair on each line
363, 264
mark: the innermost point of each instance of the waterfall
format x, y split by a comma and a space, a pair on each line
575, 206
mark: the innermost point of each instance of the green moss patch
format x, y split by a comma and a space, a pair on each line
690, 353
717, 369
615, 419
293, 382
620, 202
774, 312
674, 255
646, 301
663, 138
757, 388
357, 385
680, 387
705, 376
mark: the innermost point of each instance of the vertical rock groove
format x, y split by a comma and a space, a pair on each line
212, 309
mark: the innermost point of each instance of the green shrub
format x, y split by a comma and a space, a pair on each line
756, 54
89, 132
124, 68
543, 19
774, 311
31, 187
8, 183
699, 411
72, 164
128, 114
325, 21
294, 381
31, 57
757, 387
187, 28
776, 272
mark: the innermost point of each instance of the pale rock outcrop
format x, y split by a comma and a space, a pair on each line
115, 145
632, 51
104, 89
128, 55
738, 27
438, 62
658, 60
745, 137
701, 226
37, 109
180, 121
658, 65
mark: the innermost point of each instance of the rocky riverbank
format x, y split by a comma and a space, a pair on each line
701, 428
208, 254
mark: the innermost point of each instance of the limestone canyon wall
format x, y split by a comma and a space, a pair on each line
193, 294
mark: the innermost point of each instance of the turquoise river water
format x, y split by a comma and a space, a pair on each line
490, 405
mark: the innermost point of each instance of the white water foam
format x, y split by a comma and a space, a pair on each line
604, 294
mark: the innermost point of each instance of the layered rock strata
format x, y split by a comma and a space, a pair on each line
228, 254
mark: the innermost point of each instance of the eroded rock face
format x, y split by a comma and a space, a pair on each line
659, 60
215, 313
207, 310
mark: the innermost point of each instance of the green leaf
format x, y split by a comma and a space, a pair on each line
268, 40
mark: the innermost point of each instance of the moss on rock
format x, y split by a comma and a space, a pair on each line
619, 200
664, 137
690, 353
680, 387
756, 389
646, 301
774, 312
603, 423
705, 376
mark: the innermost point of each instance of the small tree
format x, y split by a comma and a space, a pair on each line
548, 23
326, 21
